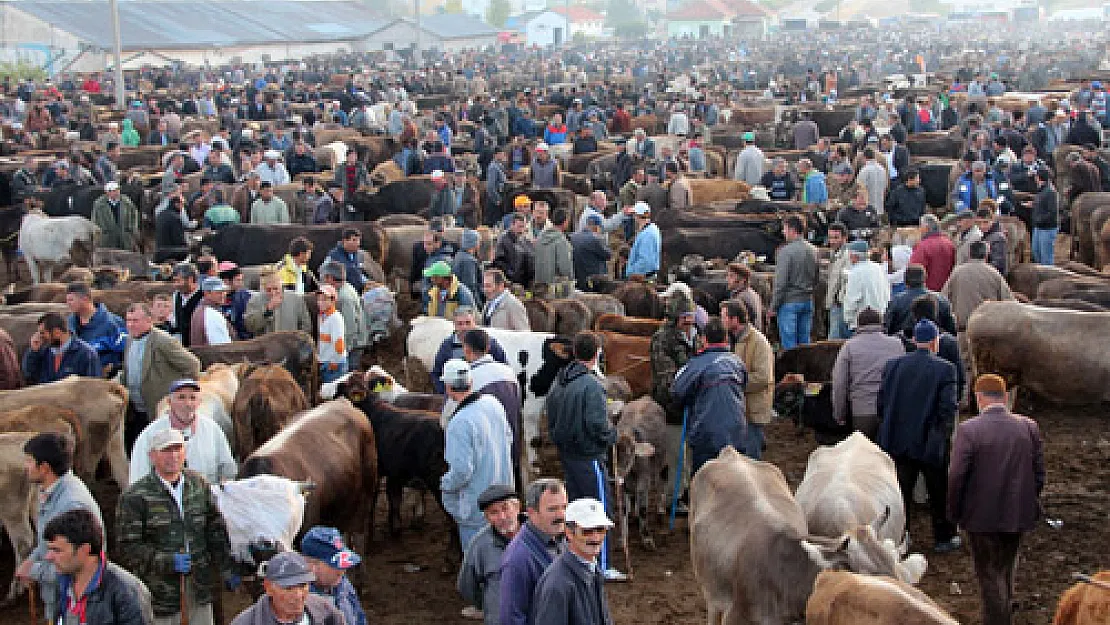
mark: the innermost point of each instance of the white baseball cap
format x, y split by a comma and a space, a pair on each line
437, 174
641, 208
111, 186
456, 374
541, 147
587, 513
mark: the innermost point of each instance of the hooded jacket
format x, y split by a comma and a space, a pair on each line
712, 385
553, 257
129, 136
576, 414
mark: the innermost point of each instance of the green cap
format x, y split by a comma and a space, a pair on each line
749, 136
438, 270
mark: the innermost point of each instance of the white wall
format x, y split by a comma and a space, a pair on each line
541, 30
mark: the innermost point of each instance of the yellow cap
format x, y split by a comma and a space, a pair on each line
522, 200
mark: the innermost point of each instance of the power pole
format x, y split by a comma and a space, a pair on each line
416, 56
121, 97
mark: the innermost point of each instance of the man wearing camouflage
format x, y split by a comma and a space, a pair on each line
170, 533
674, 343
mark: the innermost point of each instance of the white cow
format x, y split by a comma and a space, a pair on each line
523, 349
50, 240
851, 484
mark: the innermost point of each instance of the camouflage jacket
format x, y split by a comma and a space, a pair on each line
150, 530
669, 353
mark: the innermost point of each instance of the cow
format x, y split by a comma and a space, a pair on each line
842, 598
293, 350
18, 496
541, 315
268, 399
260, 244
633, 326
600, 304
1046, 351
1086, 228
332, 446
219, 383
409, 196
1092, 290
706, 190
1026, 278
101, 406
813, 361
752, 553
48, 241
720, 240
1086, 603
630, 358
37, 418
850, 484
640, 462
402, 238
571, 316
639, 299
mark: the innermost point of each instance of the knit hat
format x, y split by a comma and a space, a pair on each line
326, 545
925, 331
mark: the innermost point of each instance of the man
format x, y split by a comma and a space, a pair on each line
271, 169
496, 179
347, 254
917, 410
866, 285
268, 208
477, 449
814, 191
1045, 218
329, 559
174, 176
974, 186
672, 346
89, 585
451, 348
645, 257
967, 233
443, 200
898, 320
553, 252
207, 450
838, 275
302, 161
495, 378
935, 252
540, 212
628, 192
795, 279
749, 163
578, 423
479, 580
590, 252
778, 182
539, 541
351, 175
502, 309
209, 326
1022, 172
245, 195
545, 173
356, 332
169, 555
117, 218
973, 283
571, 590
103, 330
55, 353
860, 217
153, 360
806, 132
274, 310
896, 156
216, 169
738, 279
754, 351
288, 599
842, 187
643, 145
446, 292
858, 373
220, 214
905, 204
711, 387
48, 461
994, 234
875, 178
679, 195
995, 478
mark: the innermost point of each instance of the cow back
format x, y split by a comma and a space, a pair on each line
267, 400
294, 350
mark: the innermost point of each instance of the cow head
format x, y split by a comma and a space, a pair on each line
861, 551
629, 448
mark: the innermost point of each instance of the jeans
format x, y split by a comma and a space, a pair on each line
838, 327
328, 374
753, 445
795, 321
1044, 245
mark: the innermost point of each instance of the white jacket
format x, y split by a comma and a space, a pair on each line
206, 450
867, 287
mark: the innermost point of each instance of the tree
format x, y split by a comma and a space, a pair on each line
453, 7
498, 13
625, 19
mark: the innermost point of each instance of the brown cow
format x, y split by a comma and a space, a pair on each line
1026, 278
706, 190
1085, 603
634, 326
18, 497
268, 400
571, 316
641, 462
1093, 290
36, 418
101, 406
640, 299
842, 598
600, 304
1084, 228
630, 358
333, 447
295, 350
541, 315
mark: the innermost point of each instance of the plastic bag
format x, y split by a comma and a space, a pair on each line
264, 508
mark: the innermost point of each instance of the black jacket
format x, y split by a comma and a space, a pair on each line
577, 416
949, 349
301, 164
119, 599
905, 206
898, 318
169, 236
997, 254
917, 406
589, 254
570, 594
1046, 213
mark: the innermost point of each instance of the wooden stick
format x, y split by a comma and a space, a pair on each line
184, 601
32, 603
623, 512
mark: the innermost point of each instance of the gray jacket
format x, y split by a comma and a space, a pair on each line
320, 612
356, 333
858, 372
553, 258
291, 315
479, 580
69, 493
571, 594
795, 273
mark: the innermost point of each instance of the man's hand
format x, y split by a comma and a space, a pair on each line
275, 301
23, 573
36, 341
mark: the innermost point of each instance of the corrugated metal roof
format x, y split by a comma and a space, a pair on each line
455, 26
180, 25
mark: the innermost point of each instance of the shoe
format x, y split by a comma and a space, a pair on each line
949, 546
613, 575
681, 510
472, 613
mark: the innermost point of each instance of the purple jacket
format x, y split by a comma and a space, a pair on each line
525, 560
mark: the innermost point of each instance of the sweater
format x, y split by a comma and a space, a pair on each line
795, 273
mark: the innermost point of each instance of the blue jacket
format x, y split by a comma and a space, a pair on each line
350, 261
77, 359
105, 332
645, 256
445, 135
235, 309
965, 190
477, 450
525, 560
711, 385
814, 188
344, 597
451, 347
554, 135
917, 405
524, 127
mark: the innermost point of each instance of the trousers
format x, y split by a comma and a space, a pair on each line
589, 478
795, 321
936, 484
994, 556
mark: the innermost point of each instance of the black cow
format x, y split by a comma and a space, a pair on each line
11, 218
261, 244
408, 196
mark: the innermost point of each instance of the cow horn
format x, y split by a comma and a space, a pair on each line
881, 519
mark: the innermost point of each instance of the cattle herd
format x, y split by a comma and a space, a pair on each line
821, 536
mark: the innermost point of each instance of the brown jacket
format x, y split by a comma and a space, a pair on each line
996, 473
755, 352
11, 376
971, 284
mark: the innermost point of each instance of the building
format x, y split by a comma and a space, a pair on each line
540, 28
717, 18
583, 22
77, 35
